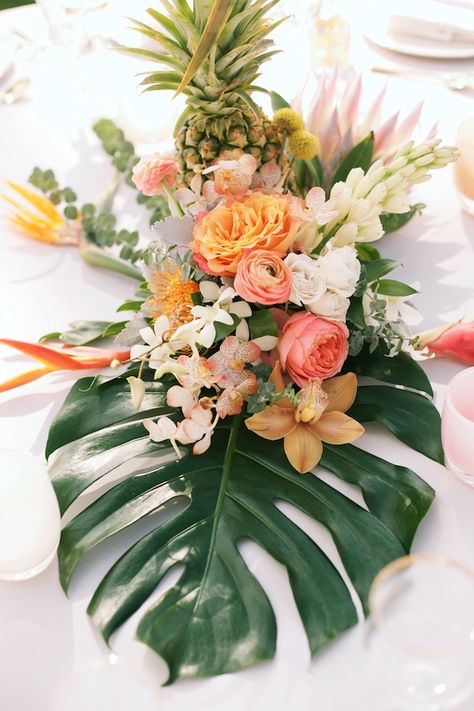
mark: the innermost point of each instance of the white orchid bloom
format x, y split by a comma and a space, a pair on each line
162, 430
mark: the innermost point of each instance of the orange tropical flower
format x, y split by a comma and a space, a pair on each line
38, 218
56, 357
317, 417
171, 295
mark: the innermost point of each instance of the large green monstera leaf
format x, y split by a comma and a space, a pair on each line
217, 618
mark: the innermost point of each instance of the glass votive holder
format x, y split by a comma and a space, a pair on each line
422, 640
457, 426
30, 522
464, 166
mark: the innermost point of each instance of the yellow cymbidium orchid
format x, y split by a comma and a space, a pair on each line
38, 218
317, 417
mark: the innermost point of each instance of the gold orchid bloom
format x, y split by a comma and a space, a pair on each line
317, 417
39, 219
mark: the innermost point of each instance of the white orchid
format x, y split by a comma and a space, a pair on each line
202, 328
158, 351
198, 197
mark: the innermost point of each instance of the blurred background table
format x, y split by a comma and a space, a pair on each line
43, 634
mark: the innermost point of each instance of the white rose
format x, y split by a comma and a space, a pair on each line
331, 306
307, 281
341, 270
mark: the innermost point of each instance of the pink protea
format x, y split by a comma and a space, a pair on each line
336, 119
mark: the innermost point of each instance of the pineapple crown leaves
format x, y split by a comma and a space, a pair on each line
213, 51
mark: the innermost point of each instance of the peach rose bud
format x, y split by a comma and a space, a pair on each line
455, 340
152, 171
263, 278
312, 347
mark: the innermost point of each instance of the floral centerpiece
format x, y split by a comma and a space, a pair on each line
261, 304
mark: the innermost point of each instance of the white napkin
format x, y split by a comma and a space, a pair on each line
432, 20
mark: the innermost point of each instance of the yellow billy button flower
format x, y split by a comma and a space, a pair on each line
303, 144
317, 417
287, 120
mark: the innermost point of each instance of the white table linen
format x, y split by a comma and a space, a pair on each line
42, 633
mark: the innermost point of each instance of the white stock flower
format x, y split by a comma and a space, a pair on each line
307, 281
341, 270
330, 305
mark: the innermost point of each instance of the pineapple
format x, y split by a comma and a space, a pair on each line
213, 52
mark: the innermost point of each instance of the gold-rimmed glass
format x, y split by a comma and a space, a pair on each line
422, 634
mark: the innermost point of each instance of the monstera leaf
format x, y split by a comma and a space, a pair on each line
217, 618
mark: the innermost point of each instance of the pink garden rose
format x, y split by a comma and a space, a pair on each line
454, 340
312, 347
263, 277
150, 172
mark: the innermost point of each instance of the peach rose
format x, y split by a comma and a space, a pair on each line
150, 172
312, 347
256, 220
263, 277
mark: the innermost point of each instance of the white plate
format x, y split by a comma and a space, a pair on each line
418, 47
7, 54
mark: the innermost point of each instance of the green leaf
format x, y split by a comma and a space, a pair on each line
53, 336
113, 329
359, 157
262, 323
367, 252
316, 169
278, 102
392, 221
225, 329
217, 618
411, 417
399, 370
82, 332
377, 268
130, 306
88, 410
216, 21
395, 494
390, 287
355, 313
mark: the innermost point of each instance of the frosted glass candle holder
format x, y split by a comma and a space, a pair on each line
30, 522
464, 166
457, 426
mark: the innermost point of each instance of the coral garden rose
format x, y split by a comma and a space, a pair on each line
263, 278
312, 347
150, 172
255, 221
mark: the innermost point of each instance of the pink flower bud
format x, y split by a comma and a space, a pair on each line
455, 340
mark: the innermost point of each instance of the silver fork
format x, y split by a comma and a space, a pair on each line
457, 81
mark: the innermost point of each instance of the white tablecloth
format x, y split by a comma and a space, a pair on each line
43, 634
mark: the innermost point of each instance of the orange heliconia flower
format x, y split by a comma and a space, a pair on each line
317, 417
59, 357
39, 219
171, 295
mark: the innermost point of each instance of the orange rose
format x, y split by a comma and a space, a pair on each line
256, 220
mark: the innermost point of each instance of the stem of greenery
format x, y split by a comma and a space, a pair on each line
172, 202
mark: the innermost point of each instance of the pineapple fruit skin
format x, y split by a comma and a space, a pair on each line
204, 139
